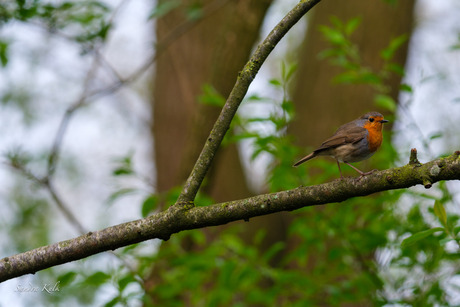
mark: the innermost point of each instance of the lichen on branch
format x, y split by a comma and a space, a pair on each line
179, 218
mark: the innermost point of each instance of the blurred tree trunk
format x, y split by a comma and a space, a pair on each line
212, 52
322, 105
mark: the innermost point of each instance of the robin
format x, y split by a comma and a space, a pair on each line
356, 141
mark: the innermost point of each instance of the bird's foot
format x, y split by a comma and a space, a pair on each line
370, 172
362, 174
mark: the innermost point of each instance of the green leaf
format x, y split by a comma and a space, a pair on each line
124, 166
123, 282
336, 22
113, 301
440, 212
194, 12
436, 135
149, 204
164, 8
258, 120
273, 250
289, 71
259, 236
396, 68
385, 102
445, 241
354, 76
388, 52
330, 53
211, 96
255, 98
352, 25
333, 36
405, 88
3, 52
122, 192
97, 279
121, 171
288, 107
275, 82
419, 236
66, 278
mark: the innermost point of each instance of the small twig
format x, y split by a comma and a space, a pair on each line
426, 146
53, 157
64, 208
160, 47
413, 157
66, 211
45, 181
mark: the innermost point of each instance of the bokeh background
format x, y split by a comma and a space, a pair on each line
106, 105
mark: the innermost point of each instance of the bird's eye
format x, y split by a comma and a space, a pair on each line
371, 119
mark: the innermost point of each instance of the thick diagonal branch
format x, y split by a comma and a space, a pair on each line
237, 94
179, 218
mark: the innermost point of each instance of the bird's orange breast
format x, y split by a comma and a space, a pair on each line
374, 138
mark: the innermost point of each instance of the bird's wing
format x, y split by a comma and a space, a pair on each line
343, 136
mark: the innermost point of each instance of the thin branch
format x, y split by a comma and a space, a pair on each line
173, 35
237, 94
179, 218
54, 155
64, 208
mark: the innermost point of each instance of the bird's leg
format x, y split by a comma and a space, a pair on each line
340, 171
360, 172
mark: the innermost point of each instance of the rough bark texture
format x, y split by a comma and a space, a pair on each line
179, 218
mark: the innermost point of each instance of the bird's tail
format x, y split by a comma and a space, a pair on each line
306, 158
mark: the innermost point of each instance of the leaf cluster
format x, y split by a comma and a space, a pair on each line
345, 54
85, 22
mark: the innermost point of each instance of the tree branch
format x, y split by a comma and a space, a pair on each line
86, 95
179, 218
193, 183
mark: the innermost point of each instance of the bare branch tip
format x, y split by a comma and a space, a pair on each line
413, 158
427, 183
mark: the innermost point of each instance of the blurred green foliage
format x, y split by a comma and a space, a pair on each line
86, 22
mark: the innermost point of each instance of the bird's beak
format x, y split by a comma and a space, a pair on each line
384, 121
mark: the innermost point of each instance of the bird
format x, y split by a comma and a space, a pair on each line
355, 141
